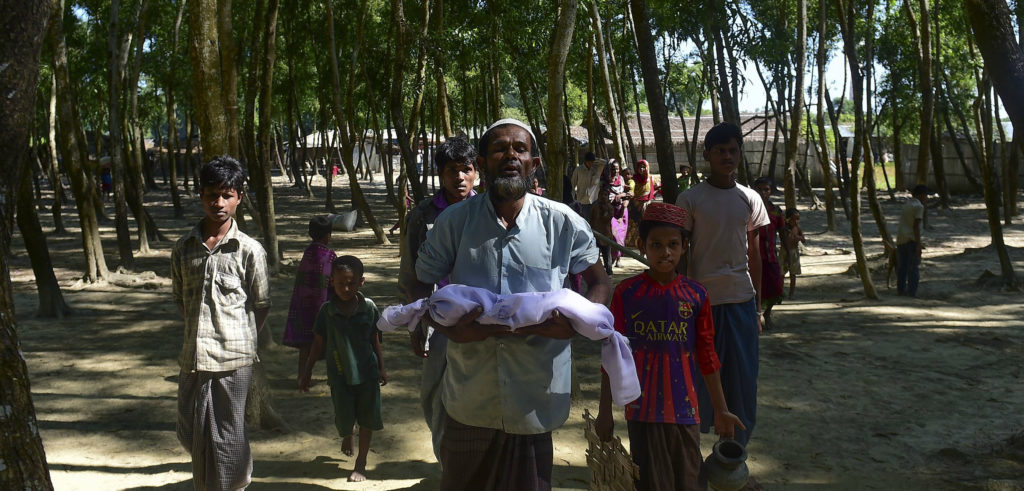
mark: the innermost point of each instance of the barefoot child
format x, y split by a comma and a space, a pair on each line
601, 214
771, 271
792, 237
667, 318
346, 328
312, 282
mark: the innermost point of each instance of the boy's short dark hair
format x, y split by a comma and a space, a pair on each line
722, 133
455, 149
919, 190
791, 211
350, 263
647, 225
589, 157
222, 172
319, 227
765, 180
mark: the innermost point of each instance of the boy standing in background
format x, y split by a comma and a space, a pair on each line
219, 283
723, 218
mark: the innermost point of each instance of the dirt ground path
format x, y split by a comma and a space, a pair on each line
919, 393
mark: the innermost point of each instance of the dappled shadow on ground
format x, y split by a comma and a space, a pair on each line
854, 394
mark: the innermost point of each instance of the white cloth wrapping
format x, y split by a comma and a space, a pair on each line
589, 319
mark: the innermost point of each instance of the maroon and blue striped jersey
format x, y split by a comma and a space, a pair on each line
671, 332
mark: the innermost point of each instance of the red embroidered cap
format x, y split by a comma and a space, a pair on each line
666, 213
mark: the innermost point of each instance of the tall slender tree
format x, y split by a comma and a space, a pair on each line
264, 159
796, 109
850, 41
655, 98
117, 48
21, 448
990, 20
611, 111
343, 117
824, 159
72, 146
208, 87
920, 27
557, 150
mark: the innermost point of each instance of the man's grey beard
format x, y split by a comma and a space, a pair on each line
507, 189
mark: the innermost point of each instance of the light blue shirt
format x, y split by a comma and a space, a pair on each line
518, 385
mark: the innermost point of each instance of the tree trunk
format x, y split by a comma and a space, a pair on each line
968, 172
252, 80
190, 160
921, 32
416, 114
865, 136
990, 20
655, 100
396, 100
172, 120
938, 157
897, 142
591, 117
115, 67
21, 449
849, 46
51, 299
730, 108
939, 169
964, 127
52, 169
229, 76
621, 96
327, 144
557, 150
798, 104
138, 166
1006, 192
172, 152
611, 113
344, 123
841, 168
804, 173
266, 190
71, 140
1011, 183
296, 149
204, 43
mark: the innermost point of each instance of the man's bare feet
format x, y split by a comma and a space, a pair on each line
357, 473
346, 446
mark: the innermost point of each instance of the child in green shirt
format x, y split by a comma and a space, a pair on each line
346, 328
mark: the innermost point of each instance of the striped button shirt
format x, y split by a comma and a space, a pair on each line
219, 291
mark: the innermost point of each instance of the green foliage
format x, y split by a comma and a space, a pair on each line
480, 45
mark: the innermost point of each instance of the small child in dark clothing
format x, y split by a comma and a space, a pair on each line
312, 283
667, 319
347, 327
792, 237
601, 222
